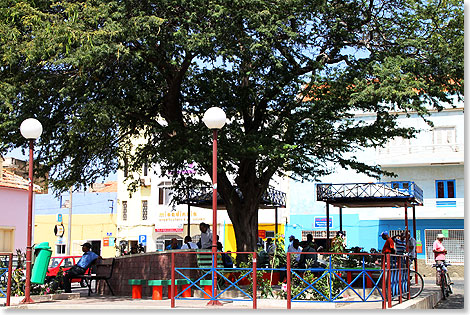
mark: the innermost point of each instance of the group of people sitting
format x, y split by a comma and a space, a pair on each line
307, 246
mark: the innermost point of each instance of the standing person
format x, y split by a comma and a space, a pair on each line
400, 244
206, 236
411, 246
79, 269
389, 246
439, 255
291, 242
188, 243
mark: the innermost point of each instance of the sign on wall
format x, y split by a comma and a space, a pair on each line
320, 222
143, 240
173, 220
262, 233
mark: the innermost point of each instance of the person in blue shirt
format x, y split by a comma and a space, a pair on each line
80, 267
173, 244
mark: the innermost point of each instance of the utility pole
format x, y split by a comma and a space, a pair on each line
69, 237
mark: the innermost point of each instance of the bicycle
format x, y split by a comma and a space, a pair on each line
416, 284
445, 283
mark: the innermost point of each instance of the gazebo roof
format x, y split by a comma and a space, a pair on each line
366, 195
202, 197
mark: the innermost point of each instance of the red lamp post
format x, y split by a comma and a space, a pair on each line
214, 118
31, 129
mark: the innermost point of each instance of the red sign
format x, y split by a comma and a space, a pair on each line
169, 230
262, 233
106, 241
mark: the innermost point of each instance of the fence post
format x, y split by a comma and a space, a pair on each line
408, 280
10, 270
255, 276
288, 282
172, 280
389, 284
384, 278
400, 282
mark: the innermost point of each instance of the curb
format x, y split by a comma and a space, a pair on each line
423, 303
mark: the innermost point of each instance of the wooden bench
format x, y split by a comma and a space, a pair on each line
100, 269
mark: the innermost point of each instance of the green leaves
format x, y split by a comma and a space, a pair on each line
290, 75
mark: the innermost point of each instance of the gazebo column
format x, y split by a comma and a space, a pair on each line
340, 219
414, 235
327, 226
275, 221
406, 225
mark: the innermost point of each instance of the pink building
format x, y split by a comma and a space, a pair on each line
13, 210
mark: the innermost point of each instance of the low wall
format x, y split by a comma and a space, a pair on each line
148, 266
455, 271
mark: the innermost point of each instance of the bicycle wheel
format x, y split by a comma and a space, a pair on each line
415, 287
449, 284
443, 286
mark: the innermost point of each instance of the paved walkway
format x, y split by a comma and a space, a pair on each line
428, 299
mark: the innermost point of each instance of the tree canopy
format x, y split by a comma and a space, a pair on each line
290, 76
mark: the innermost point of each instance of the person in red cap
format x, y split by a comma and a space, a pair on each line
389, 246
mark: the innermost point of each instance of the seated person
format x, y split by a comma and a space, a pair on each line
295, 248
173, 244
309, 260
226, 259
80, 268
188, 243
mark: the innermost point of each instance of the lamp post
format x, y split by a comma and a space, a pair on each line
31, 129
214, 118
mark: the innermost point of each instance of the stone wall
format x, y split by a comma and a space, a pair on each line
148, 266
427, 271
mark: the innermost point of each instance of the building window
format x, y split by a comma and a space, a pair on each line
144, 209
445, 188
146, 169
124, 210
164, 193
126, 167
60, 249
444, 135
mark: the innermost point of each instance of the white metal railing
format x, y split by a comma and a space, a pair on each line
426, 148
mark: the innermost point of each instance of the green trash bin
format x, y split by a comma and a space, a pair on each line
42, 255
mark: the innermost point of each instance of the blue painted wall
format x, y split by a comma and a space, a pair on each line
365, 233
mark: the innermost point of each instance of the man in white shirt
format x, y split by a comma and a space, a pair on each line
295, 249
206, 236
188, 243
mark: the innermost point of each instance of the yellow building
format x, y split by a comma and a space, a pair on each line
93, 220
266, 230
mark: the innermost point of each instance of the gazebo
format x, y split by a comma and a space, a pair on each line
202, 197
370, 195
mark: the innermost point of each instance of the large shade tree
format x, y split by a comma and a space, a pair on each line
289, 74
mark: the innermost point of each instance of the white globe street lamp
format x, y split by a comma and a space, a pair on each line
31, 129
214, 118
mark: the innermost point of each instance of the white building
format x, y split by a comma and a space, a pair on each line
434, 160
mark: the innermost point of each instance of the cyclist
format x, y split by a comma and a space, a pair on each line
439, 255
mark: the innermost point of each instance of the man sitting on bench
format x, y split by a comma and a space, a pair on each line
80, 268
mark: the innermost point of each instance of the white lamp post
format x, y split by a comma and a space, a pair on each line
31, 129
214, 118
